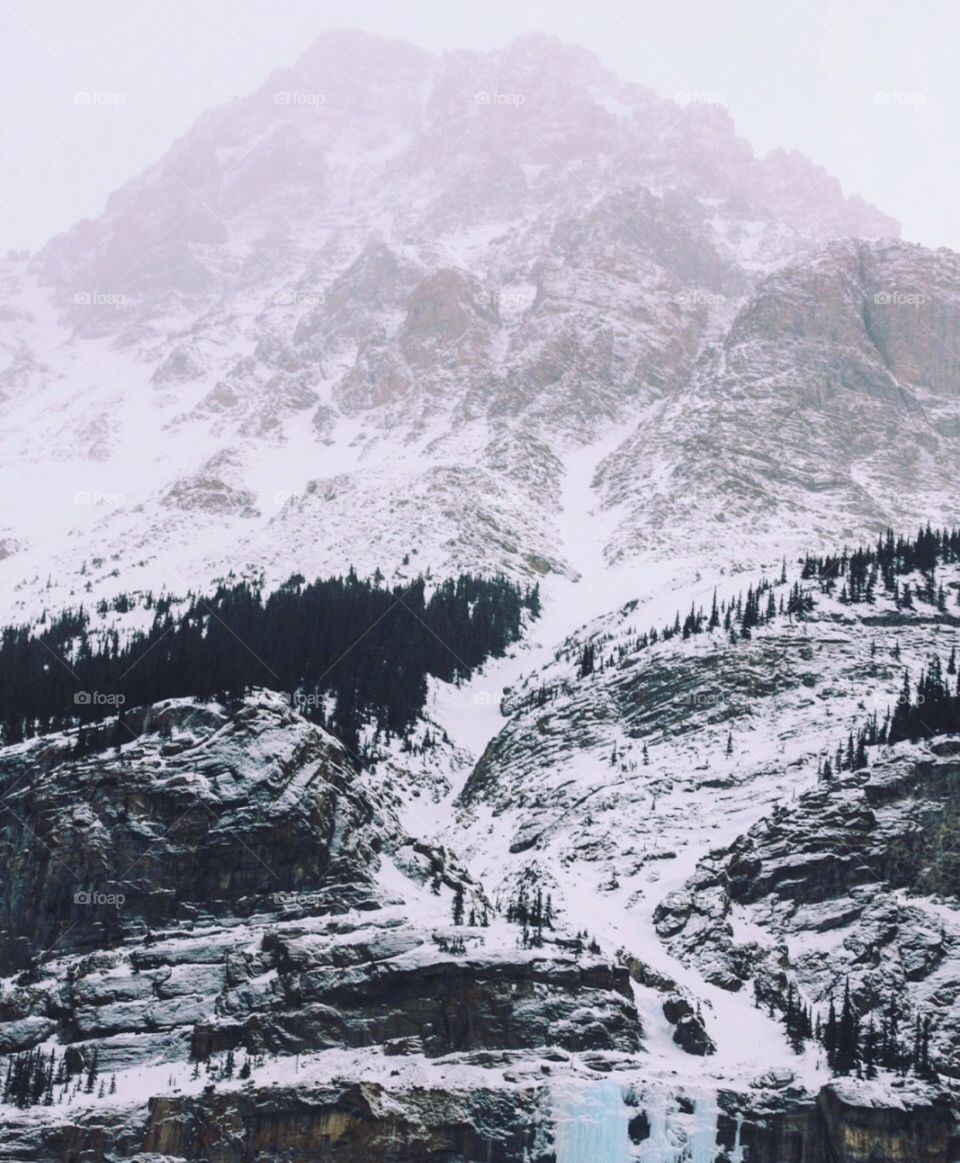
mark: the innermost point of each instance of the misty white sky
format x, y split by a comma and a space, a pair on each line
866, 88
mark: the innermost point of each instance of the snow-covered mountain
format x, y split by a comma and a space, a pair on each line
494, 312
374, 308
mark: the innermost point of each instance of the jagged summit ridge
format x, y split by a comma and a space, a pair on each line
373, 308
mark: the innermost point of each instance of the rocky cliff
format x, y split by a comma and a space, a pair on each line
218, 883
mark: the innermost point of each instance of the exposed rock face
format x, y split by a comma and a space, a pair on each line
842, 1128
205, 816
375, 287
339, 1122
215, 488
836, 867
179, 366
858, 1134
220, 884
349, 1124
822, 379
690, 1034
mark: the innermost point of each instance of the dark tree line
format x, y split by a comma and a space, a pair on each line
929, 709
863, 571
350, 652
933, 710
737, 618
32, 1076
860, 573
797, 1020
531, 909
855, 1046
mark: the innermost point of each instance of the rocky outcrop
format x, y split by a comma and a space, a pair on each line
177, 813
215, 488
867, 1134
834, 360
336, 1122
854, 882
217, 884
339, 1121
346, 1124
690, 1034
842, 1126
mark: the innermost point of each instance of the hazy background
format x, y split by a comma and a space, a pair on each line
866, 89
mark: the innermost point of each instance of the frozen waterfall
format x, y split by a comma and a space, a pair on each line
592, 1125
591, 1122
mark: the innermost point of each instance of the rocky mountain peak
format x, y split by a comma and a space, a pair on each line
354, 53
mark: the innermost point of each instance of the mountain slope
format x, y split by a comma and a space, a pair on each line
488, 313
373, 308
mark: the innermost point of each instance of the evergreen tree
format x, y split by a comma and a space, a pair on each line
831, 1037
847, 1054
92, 1071
870, 1050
